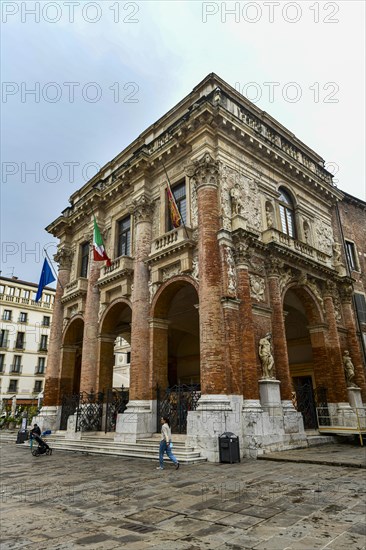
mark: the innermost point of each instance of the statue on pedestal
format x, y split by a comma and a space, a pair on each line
349, 369
266, 356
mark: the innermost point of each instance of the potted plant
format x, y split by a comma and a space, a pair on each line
11, 422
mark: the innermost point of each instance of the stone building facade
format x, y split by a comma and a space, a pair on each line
24, 340
260, 252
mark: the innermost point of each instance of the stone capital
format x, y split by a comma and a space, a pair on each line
274, 267
64, 257
346, 292
142, 209
205, 172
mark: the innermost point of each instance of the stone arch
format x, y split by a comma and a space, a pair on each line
71, 355
114, 345
175, 352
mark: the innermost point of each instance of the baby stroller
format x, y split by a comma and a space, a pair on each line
42, 448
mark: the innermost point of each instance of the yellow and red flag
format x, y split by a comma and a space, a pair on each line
175, 216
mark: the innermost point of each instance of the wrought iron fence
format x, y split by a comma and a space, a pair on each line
89, 413
175, 403
117, 399
69, 405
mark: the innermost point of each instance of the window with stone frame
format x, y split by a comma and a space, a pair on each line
4, 341
351, 256
20, 340
124, 237
13, 386
287, 213
7, 315
44, 342
46, 321
38, 386
84, 262
23, 317
2, 362
361, 306
180, 196
40, 368
17, 364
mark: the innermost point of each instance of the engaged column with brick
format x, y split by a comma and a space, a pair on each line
52, 379
247, 334
352, 339
89, 361
335, 364
213, 376
279, 344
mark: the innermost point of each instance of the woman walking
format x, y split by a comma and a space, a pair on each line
165, 444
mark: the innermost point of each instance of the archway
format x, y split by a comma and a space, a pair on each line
115, 346
176, 350
310, 387
72, 348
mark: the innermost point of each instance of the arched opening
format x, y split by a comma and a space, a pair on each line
310, 387
176, 350
71, 357
115, 347
287, 213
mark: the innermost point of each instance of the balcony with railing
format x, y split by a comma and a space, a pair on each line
25, 301
121, 267
171, 242
76, 288
15, 368
300, 247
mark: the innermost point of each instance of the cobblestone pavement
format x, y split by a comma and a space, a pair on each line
76, 501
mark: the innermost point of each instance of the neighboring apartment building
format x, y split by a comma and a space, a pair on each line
260, 251
24, 340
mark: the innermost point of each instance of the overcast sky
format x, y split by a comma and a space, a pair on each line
102, 72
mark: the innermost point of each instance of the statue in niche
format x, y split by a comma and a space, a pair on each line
349, 369
269, 216
237, 204
306, 232
337, 254
265, 354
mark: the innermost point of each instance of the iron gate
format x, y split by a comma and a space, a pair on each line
308, 399
175, 403
117, 400
89, 409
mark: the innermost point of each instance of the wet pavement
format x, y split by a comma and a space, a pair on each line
76, 501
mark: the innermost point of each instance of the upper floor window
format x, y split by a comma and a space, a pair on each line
20, 340
43, 344
11, 291
46, 321
13, 386
84, 260
47, 298
23, 317
287, 216
2, 289
2, 362
124, 237
7, 315
41, 365
179, 192
351, 256
37, 386
4, 338
17, 364
26, 294
361, 306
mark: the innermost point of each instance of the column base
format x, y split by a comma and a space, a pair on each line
138, 421
48, 418
215, 414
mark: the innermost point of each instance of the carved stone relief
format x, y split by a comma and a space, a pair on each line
324, 237
170, 271
285, 277
194, 205
156, 219
231, 271
195, 266
239, 196
257, 288
153, 287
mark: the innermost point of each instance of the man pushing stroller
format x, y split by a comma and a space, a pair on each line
43, 447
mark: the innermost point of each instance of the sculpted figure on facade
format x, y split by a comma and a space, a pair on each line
349, 369
237, 200
195, 266
171, 271
153, 287
257, 288
324, 236
269, 215
285, 277
226, 175
231, 272
266, 357
194, 205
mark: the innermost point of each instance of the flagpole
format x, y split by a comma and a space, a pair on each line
53, 269
170, 187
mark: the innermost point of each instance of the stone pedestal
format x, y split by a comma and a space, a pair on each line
215, 414
355, 398
48, 418
270, 397
345, 415
71, 425
137, 422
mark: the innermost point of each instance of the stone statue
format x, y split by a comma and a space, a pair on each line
266, 356
349, 369
269, 216
237, 205
337, 254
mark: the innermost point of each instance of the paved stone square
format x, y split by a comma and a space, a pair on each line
73, 500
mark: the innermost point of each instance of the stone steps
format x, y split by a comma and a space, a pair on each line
105, 444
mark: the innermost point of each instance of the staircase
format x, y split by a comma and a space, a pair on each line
101, 443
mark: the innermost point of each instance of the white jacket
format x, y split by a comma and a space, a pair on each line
166, 433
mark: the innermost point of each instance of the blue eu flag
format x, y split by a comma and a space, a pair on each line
46, 278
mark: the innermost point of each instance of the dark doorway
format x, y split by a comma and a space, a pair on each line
303, 386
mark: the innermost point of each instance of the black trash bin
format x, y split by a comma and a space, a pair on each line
22, 436
229, 447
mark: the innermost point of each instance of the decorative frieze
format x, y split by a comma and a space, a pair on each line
170, 271
324, 237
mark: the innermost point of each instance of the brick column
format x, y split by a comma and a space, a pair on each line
105, 362
212, 365
247, 335
159, 353
323, 375
279, 343
352, 339
140, 332
334, 363
52, 378
68, 360
89, 361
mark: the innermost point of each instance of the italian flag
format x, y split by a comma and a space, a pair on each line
99, 252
